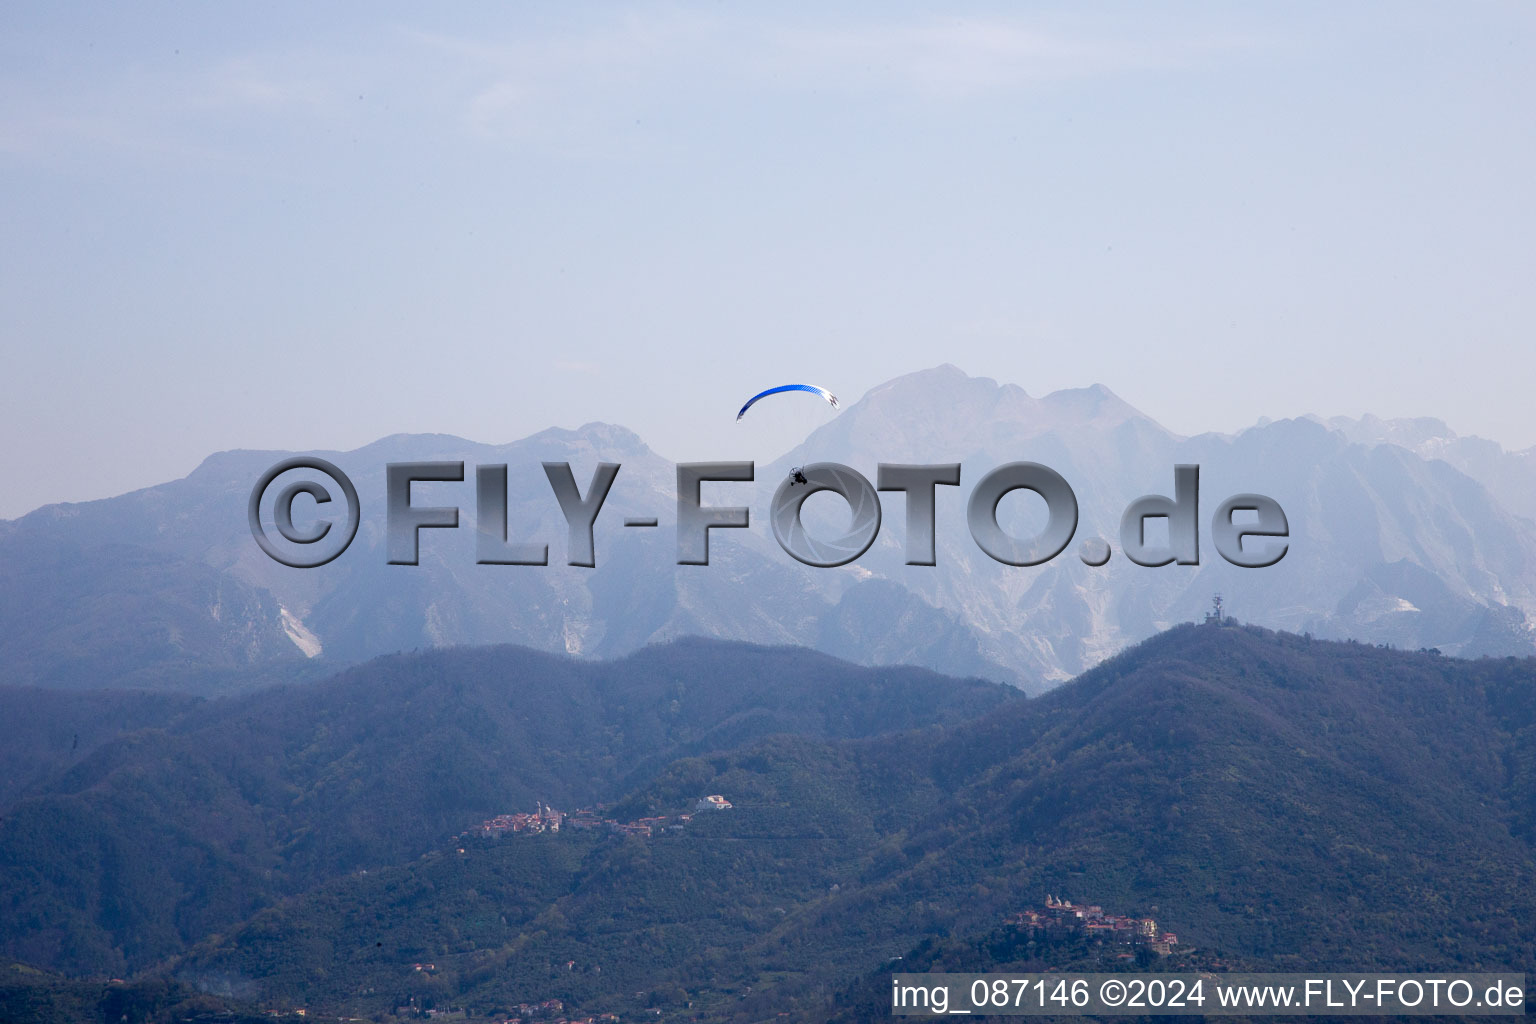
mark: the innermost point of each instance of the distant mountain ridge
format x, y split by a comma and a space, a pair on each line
1402, 534
1509, 475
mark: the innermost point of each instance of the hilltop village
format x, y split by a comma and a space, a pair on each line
1059, 915
548, 819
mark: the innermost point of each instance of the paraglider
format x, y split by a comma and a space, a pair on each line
797, 476
812, 388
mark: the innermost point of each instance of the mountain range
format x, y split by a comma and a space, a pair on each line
187, 815
1401, 533
1280, 802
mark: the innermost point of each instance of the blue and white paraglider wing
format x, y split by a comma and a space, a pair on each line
812, 388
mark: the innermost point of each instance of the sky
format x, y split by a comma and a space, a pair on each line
309, 226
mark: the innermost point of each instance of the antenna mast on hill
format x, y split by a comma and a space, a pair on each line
1215, 614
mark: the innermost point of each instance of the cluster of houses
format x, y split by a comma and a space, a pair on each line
552, 1011
1090, 919
548, 1011
547, 819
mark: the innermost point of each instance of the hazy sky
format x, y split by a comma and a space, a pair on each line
308, 226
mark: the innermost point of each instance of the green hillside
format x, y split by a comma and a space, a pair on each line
162, 836
1280, 803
